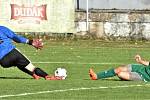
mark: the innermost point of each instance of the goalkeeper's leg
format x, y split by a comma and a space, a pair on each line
23, 63
37, 73
16, 58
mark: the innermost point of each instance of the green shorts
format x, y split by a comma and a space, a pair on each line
143, 71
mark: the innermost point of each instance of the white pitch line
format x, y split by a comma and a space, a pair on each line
72, 89
46, 62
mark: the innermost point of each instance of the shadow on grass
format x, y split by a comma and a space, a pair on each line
15, 78
109, 79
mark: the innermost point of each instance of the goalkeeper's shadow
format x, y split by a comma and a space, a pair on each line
1, 77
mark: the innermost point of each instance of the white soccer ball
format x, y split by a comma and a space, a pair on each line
61, 72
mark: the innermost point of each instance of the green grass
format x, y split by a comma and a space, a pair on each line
77, 57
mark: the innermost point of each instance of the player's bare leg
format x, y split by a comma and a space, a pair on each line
129, 76
123, 68
124, 75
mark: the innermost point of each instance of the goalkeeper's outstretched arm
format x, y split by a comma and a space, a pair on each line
37, 43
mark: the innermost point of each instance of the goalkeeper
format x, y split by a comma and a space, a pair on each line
131, 72
11, 56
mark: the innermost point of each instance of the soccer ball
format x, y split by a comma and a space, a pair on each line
61, 72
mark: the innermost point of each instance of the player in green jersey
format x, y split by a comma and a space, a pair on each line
131, 72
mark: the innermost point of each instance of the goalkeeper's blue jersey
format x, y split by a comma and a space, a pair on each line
6, 37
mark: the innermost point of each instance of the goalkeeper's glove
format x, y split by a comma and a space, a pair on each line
37, 43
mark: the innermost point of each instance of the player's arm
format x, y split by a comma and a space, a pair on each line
37, 43
138, 59
10, 34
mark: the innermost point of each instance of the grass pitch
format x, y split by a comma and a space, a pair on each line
77, 57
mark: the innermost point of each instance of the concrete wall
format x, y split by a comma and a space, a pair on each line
118, 4
115, 24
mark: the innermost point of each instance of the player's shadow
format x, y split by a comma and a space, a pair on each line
14, 78
109, 79
112, 79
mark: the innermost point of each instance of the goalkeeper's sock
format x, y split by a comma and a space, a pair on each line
106, 74
40, 72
